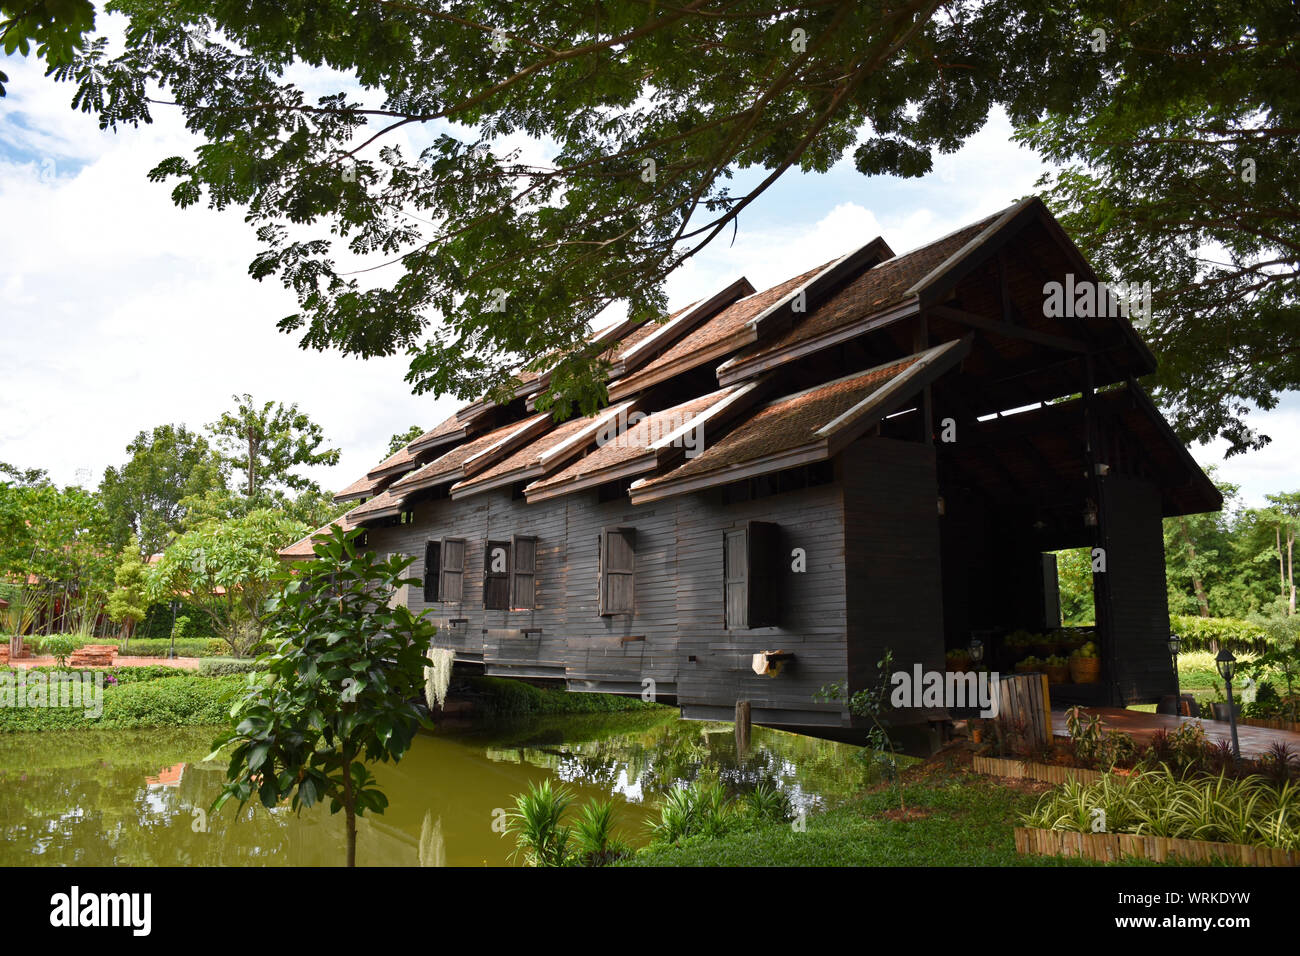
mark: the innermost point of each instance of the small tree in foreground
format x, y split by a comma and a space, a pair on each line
342, 687
872, 703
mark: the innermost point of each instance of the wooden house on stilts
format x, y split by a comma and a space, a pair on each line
879, 453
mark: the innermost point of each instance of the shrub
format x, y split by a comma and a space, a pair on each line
535, 824
60, 647
1220, 809
222, 666
186, 647
171, 701
505, 697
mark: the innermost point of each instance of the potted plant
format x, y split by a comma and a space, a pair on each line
1085, 665
958, 659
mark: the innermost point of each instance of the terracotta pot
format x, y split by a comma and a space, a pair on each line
1085, 670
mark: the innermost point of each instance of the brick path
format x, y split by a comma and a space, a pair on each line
180, 663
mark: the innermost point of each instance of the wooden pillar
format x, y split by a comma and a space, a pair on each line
743, 727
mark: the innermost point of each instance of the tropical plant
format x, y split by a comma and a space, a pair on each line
60, 647
340, 690
535, 822
594, 843
1157, 802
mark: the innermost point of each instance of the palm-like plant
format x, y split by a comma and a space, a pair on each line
594, 842
535, 824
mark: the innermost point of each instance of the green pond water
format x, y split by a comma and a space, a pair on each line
139, 798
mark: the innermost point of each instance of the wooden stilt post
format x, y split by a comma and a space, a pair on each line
742, 727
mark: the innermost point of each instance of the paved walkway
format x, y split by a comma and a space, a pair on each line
1254, 741
180, 663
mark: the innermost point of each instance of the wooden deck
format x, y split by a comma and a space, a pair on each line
1254, 741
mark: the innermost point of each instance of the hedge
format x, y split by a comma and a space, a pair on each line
185, 647
1236, 635
222, 666
500, 696
176, 701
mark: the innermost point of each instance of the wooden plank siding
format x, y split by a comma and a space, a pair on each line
679, 598
894, 596
1132, 602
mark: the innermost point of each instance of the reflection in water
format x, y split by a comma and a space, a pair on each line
140, 798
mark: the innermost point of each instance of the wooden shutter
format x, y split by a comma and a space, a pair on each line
765, 574
752, 575
451, 587
735, 560
523, 571
617, 567
432, 570
496, 575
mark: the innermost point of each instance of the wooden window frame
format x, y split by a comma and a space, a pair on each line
607, 575
496, 584
523, 583
451, 578
758, 581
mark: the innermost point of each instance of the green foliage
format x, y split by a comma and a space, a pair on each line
57, 28
341, 687
504, 697
524, 254
401, 439
160, 646
229, 570
594, 842
223, 666
60, 647
535, 823
1213, 633
1251, 810
170, 700
1178, 170
267, 442
127, 604
146, 497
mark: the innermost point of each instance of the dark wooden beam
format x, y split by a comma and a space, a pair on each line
1008, 330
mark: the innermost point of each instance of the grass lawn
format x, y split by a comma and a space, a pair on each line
968, 821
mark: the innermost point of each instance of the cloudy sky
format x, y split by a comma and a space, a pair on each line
119, 312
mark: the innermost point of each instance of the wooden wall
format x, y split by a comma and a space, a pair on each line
1132, 603
679, 592
891, 527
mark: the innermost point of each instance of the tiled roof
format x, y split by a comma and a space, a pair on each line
529, 456
438, 434
786, 423
385, 502
635, 442
400, 460
361, 488
872, 291
303, 548
716, 331
449, 465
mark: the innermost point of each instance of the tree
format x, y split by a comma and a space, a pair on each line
475, 260
401, 439
228, 569
1285, 515
56, 27
145, 497
347, 669
1179, 170
267, 442
128, 603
